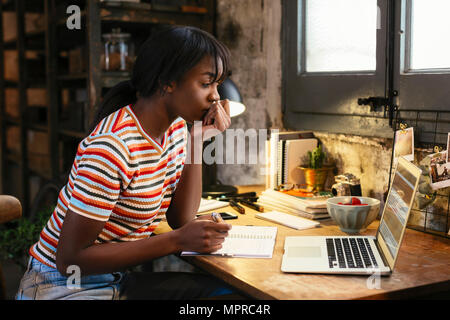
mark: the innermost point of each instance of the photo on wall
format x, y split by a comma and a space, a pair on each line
448, 144
440, 170
404, 144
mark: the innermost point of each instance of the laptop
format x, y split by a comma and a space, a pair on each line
359, 254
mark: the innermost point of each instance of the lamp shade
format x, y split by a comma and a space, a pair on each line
228, 90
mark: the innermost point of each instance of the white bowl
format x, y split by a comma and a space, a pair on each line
353, 219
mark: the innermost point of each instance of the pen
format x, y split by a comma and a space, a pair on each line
246, 195
251, 205
242, 195
250, 199
237, 207
216, 217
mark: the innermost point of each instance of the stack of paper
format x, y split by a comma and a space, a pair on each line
210, 204
288, 220
278, 201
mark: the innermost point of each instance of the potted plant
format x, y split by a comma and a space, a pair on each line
18, 236
314, 169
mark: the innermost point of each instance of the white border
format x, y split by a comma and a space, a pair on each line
409, 157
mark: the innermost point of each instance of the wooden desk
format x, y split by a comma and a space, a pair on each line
422, 268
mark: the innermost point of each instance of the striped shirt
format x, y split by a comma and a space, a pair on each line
122, 176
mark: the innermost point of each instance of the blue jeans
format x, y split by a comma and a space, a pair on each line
41, 282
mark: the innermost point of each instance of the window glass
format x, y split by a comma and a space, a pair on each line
340, 35
430, 34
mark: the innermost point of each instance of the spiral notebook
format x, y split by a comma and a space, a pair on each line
290, 157
245, 242
294, 152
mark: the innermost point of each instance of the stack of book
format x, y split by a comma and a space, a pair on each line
284, 152
314, 208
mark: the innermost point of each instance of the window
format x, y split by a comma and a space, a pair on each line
337, 51
339, 48
429, 37
338, 39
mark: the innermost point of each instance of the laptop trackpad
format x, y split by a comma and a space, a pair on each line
304, 252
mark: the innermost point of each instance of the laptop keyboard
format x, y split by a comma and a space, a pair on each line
350, 253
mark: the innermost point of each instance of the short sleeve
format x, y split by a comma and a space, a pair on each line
177, 156
101, 171
182, 152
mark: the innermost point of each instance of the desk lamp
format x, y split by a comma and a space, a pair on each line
211, 186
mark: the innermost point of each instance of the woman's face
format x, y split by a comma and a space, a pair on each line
193, 95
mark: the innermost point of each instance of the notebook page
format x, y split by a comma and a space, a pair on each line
247, 241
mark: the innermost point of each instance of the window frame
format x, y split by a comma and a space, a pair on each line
423, 90
405, 43
304, 115
301, 34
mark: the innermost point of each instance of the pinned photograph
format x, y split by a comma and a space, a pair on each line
404, 144
440, 171
448, 144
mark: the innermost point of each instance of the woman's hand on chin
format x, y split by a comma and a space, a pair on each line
215, 121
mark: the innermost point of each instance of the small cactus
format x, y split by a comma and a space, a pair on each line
316, 157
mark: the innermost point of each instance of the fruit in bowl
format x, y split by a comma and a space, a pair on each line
353, 214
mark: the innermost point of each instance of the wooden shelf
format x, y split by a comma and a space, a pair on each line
13, 157
10, 84
125, 5
129, 6
111, 78
108, 78
113, 14
34, 41
38, 127
29, 125
73, 77
142, 17
30, 84
72, 133
143, 13
13, 120
49, 70
40, 172
30, 6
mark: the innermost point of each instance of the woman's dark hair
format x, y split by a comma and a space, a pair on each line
164, 58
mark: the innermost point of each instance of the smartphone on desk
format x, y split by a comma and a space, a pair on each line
224, 215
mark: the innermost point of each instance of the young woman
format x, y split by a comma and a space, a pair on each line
131, 170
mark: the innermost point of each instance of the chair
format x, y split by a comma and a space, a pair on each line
10, 209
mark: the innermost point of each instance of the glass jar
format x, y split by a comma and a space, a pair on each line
119, 55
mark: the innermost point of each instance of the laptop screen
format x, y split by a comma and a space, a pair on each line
397, 206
